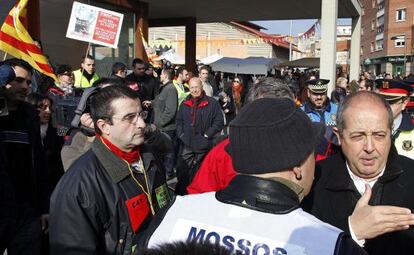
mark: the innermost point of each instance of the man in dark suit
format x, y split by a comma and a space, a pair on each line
367, 190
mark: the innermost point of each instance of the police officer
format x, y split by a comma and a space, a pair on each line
320, 109
397, 93
271, 144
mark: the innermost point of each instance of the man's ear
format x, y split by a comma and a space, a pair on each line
103, 126
336, 132
297, 171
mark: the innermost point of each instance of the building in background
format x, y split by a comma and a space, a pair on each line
387, 36
309, 44
228, 39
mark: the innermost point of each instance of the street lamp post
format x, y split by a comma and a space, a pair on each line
405, 49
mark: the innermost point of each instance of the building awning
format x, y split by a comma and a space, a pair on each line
230, 10
252, 65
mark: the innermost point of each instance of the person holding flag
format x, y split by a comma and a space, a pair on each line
16, 41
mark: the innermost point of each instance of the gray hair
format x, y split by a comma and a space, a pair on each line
361, 96
270, 87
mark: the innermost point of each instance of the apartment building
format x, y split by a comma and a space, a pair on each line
387, 32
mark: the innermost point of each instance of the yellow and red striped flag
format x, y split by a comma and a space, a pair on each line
16, 41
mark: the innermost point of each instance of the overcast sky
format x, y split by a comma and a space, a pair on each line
298, 26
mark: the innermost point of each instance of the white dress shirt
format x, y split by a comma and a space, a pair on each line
360, 186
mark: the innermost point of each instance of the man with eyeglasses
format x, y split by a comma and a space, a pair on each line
397, 95
320, 109
111, 192
24, 217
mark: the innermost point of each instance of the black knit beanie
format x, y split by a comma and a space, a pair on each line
270, 135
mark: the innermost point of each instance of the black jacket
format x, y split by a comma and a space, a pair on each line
147, 83
193, 121
266, 196
23, 162
334, 196
97, 207
52, 144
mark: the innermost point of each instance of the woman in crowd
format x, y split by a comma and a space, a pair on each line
52, 143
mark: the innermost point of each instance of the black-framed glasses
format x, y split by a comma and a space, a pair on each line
132, 118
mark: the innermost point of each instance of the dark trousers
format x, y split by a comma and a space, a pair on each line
21, 234
187, 166
170, 159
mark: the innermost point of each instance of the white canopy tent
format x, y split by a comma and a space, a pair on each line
211, 59
251, 65
172, 57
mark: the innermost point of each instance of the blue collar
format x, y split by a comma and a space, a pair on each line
308, 107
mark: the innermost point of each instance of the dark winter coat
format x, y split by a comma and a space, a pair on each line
334, 196
196, 121
24, 161
98, 208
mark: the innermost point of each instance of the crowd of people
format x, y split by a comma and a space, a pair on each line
167, 161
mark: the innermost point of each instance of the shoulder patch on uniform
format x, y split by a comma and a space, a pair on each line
407, 145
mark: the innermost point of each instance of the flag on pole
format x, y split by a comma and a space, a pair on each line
16, 41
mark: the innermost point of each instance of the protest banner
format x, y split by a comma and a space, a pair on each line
94, 25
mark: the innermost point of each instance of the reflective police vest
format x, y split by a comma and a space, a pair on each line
81, 81
328, 117
203, 218
404, 137
180, 92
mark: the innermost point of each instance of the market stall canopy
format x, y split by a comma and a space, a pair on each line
302, 62
252, 65
211, 59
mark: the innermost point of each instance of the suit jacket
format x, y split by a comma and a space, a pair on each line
333, 198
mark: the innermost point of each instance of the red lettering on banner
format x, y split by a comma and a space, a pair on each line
106, 28
138, 209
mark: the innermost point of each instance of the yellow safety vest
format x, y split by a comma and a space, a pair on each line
180, 92
81, 81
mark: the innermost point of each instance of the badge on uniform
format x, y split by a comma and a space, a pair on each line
162, 195
407, 145
333, 117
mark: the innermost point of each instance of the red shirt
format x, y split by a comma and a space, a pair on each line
216, 171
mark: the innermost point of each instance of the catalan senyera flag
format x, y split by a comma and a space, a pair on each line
16, 41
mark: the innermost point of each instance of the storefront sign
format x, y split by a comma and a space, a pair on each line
393, 59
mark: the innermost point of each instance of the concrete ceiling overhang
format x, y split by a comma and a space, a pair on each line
228, 10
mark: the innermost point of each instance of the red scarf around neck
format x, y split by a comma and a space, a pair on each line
130, 157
